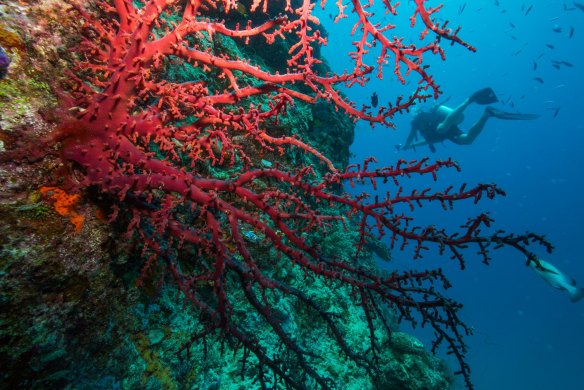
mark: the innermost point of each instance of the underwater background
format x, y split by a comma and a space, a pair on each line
527, 335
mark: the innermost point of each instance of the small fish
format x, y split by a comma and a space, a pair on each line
461, 8
550, 46
374, 99
571, 33
241, 10
517, 52
534, 65
580, 6
556, 112
557, 279
539, 80
4, 63
512, 25
528, 10
251, 237
557, 29
557, 64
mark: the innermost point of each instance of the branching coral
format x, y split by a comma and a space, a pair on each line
151, 143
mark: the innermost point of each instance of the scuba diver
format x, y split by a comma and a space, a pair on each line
441, 123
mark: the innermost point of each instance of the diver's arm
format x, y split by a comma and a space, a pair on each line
414, 145
411, 137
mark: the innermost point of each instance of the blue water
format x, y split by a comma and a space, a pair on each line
527, 334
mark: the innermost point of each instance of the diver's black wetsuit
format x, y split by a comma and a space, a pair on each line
426, 123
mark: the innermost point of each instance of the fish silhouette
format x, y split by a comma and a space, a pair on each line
557, 279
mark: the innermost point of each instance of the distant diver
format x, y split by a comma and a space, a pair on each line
374, 99
441, 122
557, 279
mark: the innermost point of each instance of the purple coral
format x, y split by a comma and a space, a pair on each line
4, 63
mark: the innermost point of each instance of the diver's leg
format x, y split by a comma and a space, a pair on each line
454, 117
469, 137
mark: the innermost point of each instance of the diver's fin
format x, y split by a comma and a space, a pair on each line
509, 115
484, 96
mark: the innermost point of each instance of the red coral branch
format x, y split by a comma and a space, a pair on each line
442, 31
151, 143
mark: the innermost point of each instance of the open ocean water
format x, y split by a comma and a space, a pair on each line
527, 334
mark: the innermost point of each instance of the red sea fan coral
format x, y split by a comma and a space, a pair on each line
151, 143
